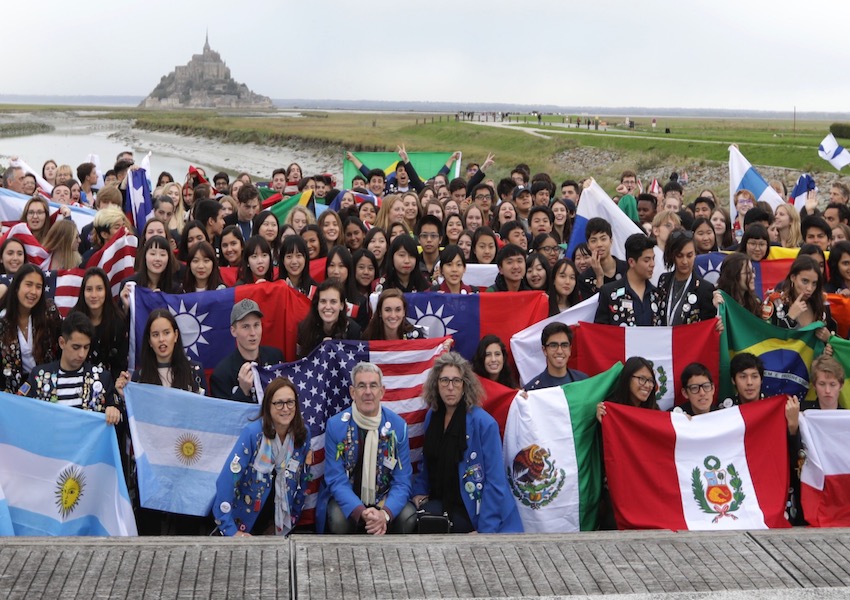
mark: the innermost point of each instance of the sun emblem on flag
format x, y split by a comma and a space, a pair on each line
433, 321
188, 448
192, 328
69, 489
534, 478
717, 497
711, 271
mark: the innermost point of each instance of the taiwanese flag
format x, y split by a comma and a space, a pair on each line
669, 349
469, 317
230, 275
825, 478
768, 272
720, 471
204, 318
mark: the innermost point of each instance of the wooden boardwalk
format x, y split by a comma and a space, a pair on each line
798, 563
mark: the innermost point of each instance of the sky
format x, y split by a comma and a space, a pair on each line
732, 54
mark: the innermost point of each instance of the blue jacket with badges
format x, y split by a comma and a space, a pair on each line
484, 484
241, 491
342, 449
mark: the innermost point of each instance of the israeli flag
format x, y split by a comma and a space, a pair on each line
181, 441
743, 176
62, 477
836, 155
595, 202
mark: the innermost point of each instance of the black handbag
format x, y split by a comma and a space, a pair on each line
427, 523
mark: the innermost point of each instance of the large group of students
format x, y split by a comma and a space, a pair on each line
390, 236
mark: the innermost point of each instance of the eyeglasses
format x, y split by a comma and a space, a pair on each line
696, 387
450, 381
556, 345
372, 387
428, 236
682, 233
278, 404
745, 202
549, 249
643, 381
36, 213
483, 197
756, 243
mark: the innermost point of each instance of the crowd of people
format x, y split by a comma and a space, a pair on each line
392, 235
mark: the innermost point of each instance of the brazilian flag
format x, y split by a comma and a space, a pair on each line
427, 164
787, 353
281, 209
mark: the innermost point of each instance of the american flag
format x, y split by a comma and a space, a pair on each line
36, 254
116, 258
323, 377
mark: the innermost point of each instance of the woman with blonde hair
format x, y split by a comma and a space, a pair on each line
64, 174
787, 221
412, 209
299, 217
391, 211
178, 219
62, 241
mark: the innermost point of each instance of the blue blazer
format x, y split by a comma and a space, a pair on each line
342, 447
240, 495
483, 480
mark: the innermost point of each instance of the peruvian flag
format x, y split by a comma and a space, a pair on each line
825, 478
670, 349
723, 470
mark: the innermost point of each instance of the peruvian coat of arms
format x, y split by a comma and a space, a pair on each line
721, 495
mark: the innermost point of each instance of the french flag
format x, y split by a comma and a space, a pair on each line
743, 176
595, 202
804, 185
833, 153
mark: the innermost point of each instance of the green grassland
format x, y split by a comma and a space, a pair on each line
692, 141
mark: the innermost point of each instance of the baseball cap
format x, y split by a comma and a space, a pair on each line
244, 308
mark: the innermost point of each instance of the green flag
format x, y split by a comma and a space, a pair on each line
787, 354
553, 456
427, 164
841, 353
281, 209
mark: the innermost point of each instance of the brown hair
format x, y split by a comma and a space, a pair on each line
297, 427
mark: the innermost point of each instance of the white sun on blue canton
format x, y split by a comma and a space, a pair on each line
711, 271
192, 328
435, 324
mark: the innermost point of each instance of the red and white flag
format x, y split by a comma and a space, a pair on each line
723, 470
36, 254
825, 478
669, 349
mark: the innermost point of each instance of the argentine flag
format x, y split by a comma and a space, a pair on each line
181, 441
60, 471
6, 527
742, 176
836, 155
595, 202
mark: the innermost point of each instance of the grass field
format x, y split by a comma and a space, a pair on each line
770, 142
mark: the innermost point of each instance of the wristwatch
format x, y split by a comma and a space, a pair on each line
386, 515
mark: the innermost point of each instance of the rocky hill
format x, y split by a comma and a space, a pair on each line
204, 82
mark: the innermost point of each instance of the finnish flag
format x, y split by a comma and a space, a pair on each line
836, 155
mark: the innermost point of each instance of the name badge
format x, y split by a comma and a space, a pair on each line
390, 463
627, 305
292, 465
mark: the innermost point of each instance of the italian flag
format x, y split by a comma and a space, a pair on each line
724, 470
825, 478
669, 349
552, 454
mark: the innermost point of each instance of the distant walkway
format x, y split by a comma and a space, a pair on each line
798, 563
547, 131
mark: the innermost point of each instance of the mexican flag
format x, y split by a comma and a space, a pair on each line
825, 478
552, 454
724, 470
669, 349
787, 353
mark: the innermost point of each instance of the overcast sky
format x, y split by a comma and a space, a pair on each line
736, 54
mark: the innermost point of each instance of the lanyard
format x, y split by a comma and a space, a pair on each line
671, 307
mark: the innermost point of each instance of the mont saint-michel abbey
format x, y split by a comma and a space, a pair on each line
203, 82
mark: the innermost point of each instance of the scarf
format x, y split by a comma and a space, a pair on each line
370, 453
274, 454
444, 449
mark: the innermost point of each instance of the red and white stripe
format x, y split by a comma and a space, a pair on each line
825, 478
36, 254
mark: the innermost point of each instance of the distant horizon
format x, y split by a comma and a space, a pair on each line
132, 101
